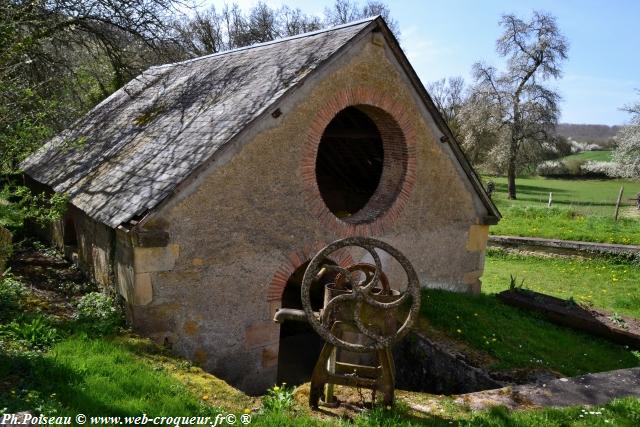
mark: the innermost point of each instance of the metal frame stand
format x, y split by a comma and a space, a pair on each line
328, 371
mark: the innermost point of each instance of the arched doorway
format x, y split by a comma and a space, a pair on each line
300, 345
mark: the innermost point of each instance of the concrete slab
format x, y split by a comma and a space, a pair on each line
591, 389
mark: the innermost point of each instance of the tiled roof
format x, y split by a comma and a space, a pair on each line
131, 151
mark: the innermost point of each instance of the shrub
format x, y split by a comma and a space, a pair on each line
574, 166
99, 313
599, 169
11, 293
552, 168
35, 333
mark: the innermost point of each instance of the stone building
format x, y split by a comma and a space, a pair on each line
200, 189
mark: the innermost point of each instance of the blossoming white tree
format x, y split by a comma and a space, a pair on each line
626, 155
514, 103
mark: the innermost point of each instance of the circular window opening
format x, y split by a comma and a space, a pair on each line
360, 164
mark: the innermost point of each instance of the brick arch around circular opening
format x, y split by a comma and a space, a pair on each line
399, 164
296, 259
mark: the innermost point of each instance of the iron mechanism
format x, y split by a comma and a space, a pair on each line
362, 317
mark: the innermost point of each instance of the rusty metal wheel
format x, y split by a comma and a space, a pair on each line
363, 292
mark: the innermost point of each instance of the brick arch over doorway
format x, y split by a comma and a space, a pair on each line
399, 164
296, 259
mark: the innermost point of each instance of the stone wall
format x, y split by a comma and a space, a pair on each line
237, 228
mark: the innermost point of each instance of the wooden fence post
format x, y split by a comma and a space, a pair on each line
618, 202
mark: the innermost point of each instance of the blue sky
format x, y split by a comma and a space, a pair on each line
444, 38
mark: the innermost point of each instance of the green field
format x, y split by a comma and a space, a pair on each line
588, 197
611, 285
581, 209
598, 155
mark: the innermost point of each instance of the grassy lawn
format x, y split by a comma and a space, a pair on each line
587, 196
117, 377
581, 210
102, 377
518, 339
604, 284
566, 224
112, 377
597, 155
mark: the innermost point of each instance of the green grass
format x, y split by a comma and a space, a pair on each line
597, 155
621, 412
588, 197
581, 210
106, 377
566, 224
93, 377
519, 339
605, 284
128, 376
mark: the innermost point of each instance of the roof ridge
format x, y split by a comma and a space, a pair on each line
275, 41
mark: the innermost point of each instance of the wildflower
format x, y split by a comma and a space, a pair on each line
205, 397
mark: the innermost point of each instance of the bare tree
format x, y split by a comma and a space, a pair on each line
293, 21
341, 12
59, 57
449, 97
344, 11
236, 27
523, 110
201, 34
262, 23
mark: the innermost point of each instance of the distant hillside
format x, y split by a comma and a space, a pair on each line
595, 134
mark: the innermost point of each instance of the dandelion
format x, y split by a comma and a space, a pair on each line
205, 397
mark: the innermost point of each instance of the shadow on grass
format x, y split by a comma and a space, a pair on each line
520, 339
565, 202
33, 382
530, 189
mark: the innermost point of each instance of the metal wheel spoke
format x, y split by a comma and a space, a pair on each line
362, 293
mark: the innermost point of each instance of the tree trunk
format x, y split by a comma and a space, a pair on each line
513, 147
511, 170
